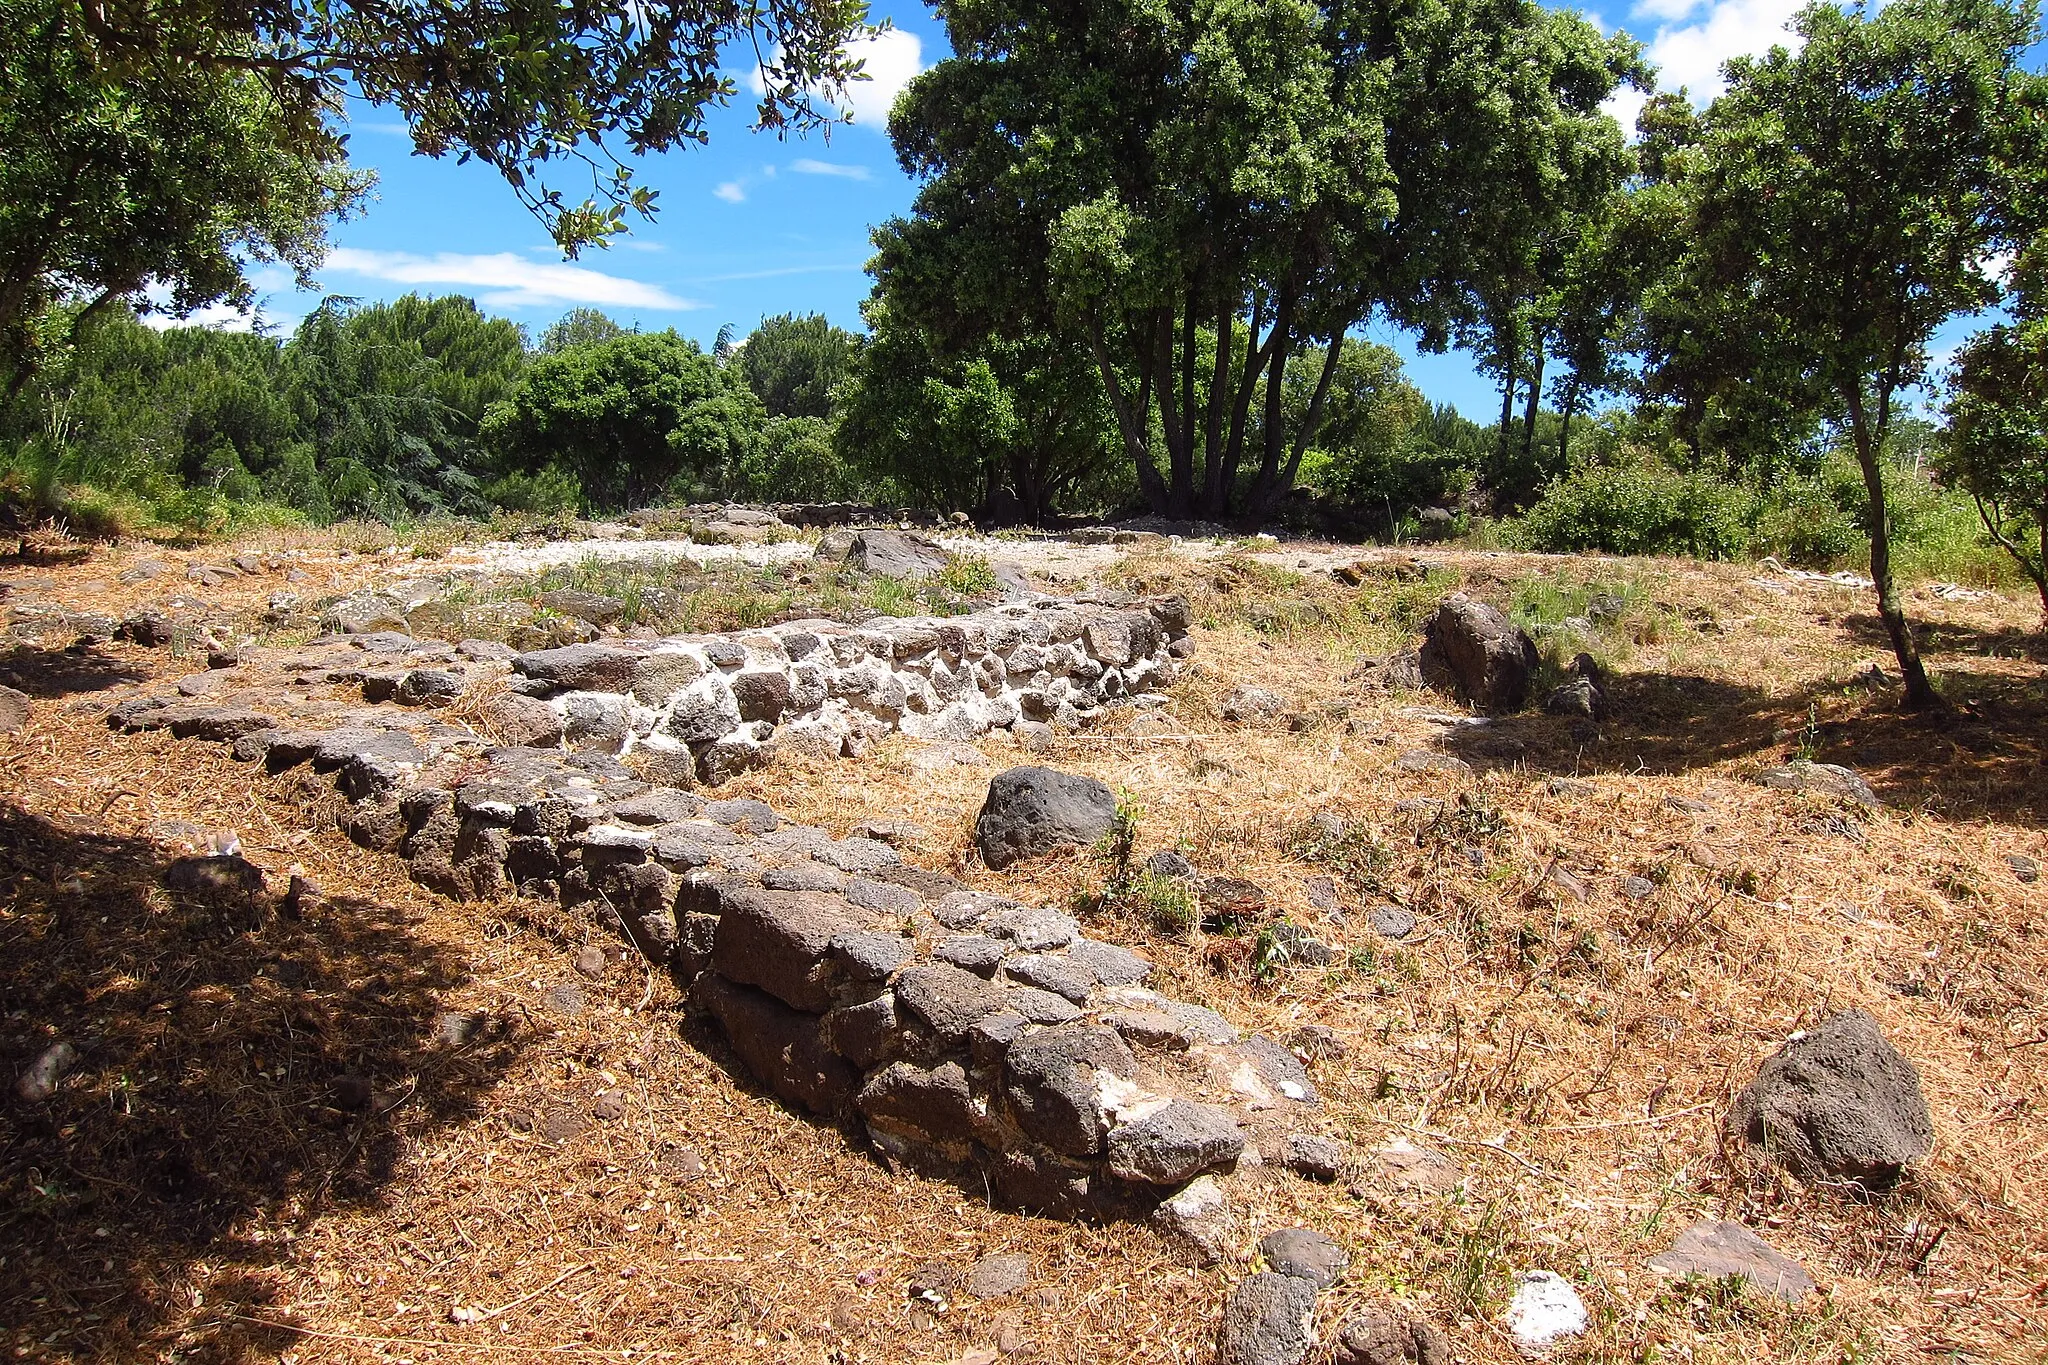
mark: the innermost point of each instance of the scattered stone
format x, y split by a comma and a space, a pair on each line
1382, 1334
1391, 921
594, 607
364, 613
1032, 811
1472, 652
1430, 761
1544, 1311
1407, 1167
1638, 888
1837, 1101
1246, 704
609, 1107
567, 999
1267, 1321
590, 961
214, 877
143, 570
2024, 868
562, 1123
14, 710
1318, 1158
1717, 1250
895, 833
40, 1081
1304, 1254
1321, 891
1198, 1219
1821, 779
1292, 943
992, 1277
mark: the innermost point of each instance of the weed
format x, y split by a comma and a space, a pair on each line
967, 575
1808, 747
1164, 903
1478, 1263
891, 596
361, 537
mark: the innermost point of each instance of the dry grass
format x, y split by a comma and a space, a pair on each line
201, 1191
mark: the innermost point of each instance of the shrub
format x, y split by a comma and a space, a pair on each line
1639, 510
550, 491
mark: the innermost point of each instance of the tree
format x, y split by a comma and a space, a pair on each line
579, 327
793, 363
1016, 427
386, 441
1195, 191
626, 417
1997, 447
520, 87
150, 171
1845, 199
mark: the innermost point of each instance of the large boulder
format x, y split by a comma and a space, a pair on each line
1031, 811
1838, 1101
1472, 652
895, 554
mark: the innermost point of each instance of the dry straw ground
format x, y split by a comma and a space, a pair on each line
265, 1154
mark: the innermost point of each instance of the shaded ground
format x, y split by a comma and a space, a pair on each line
588, 1179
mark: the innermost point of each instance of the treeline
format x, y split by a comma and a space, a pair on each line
427, 406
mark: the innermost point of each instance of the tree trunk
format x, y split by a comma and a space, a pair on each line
1507, 413
1310, 421
1256, 354
1219, 394
1535, 401
1275, 433
1869, 453
1564, 433
1137, 437
1183, 494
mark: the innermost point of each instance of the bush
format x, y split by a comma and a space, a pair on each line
550, 491
1639, 510
1816, 522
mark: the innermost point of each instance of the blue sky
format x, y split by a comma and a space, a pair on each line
752, 225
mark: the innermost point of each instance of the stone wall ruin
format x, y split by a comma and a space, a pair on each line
966, 1035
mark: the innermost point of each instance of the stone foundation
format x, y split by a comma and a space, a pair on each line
967, 1035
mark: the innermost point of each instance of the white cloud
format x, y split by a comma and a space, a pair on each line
806, 166
889, 60
511, 281
732, 192
1690, 54
219, 316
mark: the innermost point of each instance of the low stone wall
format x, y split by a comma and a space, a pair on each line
719, 705
967, 1034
